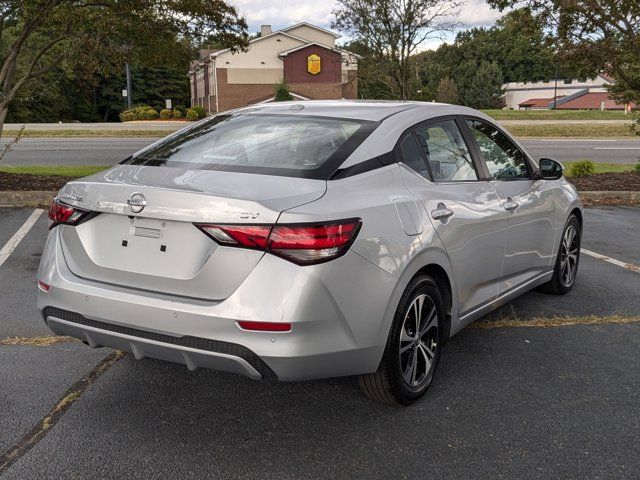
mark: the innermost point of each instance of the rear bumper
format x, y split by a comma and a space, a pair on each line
191, 351
339, 314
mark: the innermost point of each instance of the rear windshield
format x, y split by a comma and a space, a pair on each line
289, 145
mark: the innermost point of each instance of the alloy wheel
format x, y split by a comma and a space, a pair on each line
569, 256
418, 340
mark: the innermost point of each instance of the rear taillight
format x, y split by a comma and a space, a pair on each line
247, 236
304, 244
66, 214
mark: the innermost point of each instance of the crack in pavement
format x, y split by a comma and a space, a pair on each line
44, 341
57, 411
553, 322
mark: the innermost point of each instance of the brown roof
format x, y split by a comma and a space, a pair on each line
591, 101
538, 102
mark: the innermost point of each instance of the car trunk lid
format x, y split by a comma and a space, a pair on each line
159, 249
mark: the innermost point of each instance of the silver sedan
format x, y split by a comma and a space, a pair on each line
297, 241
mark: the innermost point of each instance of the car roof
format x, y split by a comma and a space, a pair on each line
372, 110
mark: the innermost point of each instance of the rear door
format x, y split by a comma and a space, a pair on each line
463, 207
529, 206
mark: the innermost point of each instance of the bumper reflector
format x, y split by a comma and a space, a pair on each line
265, 326
43, 286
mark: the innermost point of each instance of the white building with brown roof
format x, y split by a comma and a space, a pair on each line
304, 56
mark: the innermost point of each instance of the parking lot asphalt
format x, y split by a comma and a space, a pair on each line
536, 402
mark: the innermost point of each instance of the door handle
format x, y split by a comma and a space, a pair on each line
510, 204
442, 212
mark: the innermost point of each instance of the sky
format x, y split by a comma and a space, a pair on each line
281, 13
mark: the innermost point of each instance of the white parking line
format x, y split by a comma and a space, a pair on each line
14, 241
613, 261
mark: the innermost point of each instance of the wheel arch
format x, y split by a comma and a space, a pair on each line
578, 213
441, 277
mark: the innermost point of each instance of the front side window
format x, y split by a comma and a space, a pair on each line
446, 152
290, 145
504, 159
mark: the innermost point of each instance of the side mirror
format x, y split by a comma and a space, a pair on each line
550, 169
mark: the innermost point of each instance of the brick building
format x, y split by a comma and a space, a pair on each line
303, 55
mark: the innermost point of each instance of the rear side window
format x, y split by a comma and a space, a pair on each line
289, 145
446, 152
412, 156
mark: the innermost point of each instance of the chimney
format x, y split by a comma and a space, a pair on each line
265, 30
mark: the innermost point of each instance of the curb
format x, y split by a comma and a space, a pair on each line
610, 198
13, 198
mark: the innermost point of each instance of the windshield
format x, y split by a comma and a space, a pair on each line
290, 145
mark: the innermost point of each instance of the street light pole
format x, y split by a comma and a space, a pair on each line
555, 87
127, 70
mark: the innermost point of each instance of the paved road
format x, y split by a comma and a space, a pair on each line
141, 125
108, 151
568, 150
525, 403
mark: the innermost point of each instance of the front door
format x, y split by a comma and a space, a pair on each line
464, 209
528, 205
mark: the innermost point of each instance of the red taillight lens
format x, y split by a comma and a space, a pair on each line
308, 244
304, 244
61, 213
265, 326
248, 236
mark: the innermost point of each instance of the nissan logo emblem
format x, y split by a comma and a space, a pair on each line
137, 202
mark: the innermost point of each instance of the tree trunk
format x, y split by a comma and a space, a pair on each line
3, 116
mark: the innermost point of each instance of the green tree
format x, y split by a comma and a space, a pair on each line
282, 92
485, 87
95, 38
518, 44
447, 91
597, 35
392, 30
371, 78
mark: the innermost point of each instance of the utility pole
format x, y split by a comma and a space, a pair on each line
127, 70
555, 86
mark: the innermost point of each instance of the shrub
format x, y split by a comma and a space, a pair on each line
128, 116
150, 114
165, 114
282, 92
637, 167
181, 108
192, 115
582, 168
199, 110
177, 113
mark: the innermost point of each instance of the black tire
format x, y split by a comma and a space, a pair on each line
558, 285
389, 384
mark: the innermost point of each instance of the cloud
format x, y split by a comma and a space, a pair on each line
282, 13
477, 13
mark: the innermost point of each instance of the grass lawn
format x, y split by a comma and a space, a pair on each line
556, 115
605, 167
76, 171
87, 133
576, 130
